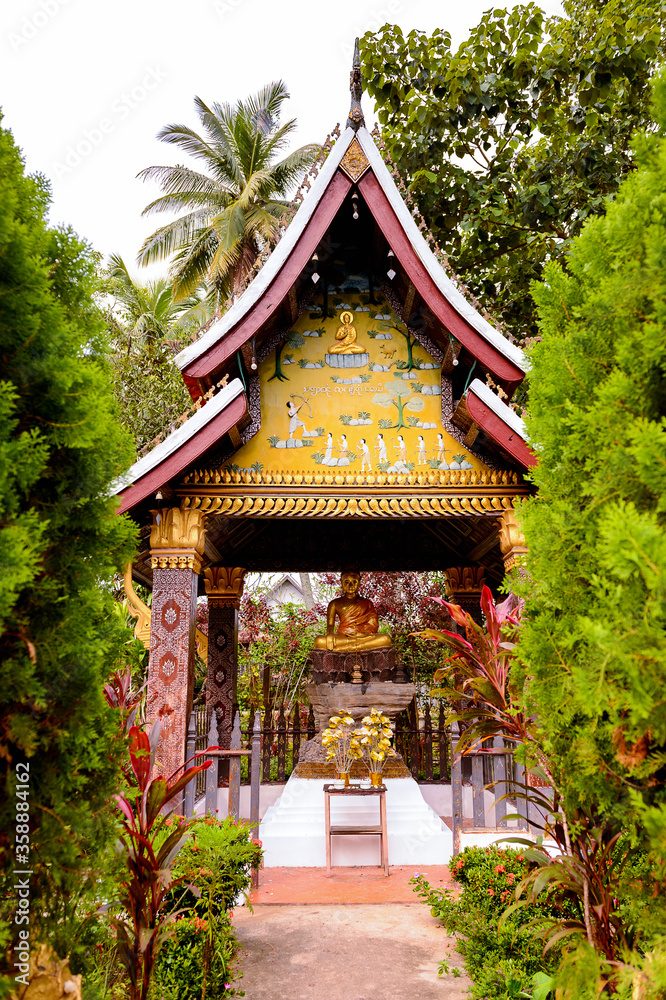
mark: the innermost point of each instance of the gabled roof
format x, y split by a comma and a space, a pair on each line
271, 287
500, 422
182, 447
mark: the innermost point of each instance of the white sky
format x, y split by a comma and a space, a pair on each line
85, 85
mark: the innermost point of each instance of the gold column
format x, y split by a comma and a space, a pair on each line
224, 587
176, 549
512, 540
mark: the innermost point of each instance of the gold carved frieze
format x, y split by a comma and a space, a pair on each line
225, 583
177, 538
354, 162
375, 480
459, 505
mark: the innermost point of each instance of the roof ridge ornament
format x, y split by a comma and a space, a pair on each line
356, 119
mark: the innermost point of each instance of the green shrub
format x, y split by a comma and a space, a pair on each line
501, 960
178, 973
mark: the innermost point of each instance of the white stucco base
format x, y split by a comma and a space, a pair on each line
292, 830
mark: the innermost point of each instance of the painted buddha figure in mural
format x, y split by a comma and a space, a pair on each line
346, 334
359, 622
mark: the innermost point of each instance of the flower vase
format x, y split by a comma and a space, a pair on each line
376, 778
343, 776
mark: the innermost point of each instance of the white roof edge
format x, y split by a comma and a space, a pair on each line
430, 262
177, 438
499, 407
272, 267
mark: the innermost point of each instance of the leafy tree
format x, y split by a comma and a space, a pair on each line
60, 446
594, 643
146, 329
234, 208
293, 339
399, 394
510, 143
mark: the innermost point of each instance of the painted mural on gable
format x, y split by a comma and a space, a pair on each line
352, 390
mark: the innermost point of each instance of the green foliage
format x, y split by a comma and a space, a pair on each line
511, 142
593, 650
501, 959
60, 447
178, 973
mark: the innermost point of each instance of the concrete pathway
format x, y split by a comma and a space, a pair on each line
354, 952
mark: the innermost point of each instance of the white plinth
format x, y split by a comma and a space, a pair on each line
292, 830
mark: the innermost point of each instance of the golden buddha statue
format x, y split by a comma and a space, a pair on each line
359, 622
347, 335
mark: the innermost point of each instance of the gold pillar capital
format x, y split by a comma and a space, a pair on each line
177, 538
512, 540
225, 584
466, 580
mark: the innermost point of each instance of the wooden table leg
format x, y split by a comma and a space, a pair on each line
384, 835
327, 815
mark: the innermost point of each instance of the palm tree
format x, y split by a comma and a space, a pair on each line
234, 208
145, 315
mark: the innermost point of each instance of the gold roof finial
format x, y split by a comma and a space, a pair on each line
356, 119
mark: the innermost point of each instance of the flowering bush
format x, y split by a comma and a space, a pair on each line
503, 958
178, 975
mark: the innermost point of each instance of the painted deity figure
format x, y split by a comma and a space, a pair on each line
359, 622
328, 454
402, 449
381, 446
421, 450
440, 448
346, 334
344, 449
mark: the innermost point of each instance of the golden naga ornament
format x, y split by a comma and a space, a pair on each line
359, 622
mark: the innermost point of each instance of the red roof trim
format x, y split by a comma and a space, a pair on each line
188, 453
392, 229
509, 439
273, 297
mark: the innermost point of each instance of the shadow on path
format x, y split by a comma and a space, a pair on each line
381, 951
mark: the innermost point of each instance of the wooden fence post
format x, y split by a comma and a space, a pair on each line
212, 772
427, 752
478, 804
281, 744
520, 784
442, 741
266, 747
296, 739
191, 745
501, 786
456, 789
235, 771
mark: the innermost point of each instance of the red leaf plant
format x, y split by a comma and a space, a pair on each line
150, 842
476, 673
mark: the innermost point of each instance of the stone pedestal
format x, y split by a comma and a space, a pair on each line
347, 360
329, 666
358, 699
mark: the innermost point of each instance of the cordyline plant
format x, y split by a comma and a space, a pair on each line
476, 672
150, 844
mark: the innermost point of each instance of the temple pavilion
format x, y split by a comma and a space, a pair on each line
345, 418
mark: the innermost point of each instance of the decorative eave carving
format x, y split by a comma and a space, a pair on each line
137, 609
512, 540
468, 580
460, 505
177, 538
225, 584
379, 481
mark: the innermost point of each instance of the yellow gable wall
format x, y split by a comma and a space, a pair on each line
341, 396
